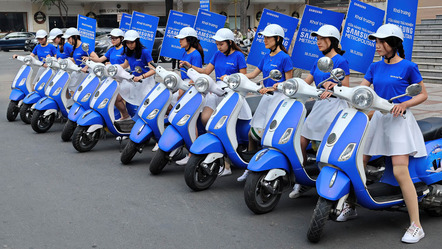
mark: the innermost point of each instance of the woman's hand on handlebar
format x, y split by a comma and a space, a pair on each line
328, 86
185, 63
138, 78
275, 86
399, 109
266, 89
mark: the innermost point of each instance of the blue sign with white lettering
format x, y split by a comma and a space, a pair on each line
87, 27
125, 22
362, 20
258, 49
205, 5
176, 21
206, 25
403, 14
146, 25
305, 52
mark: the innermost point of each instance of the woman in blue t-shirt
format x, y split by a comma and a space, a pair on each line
64, 49
276, 59
115, 53
390, 134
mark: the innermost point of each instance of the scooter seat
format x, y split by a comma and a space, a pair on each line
431, 128
124, 126
385, 192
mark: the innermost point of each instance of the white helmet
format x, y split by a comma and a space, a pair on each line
131, 35
54, 33
41, 34
387, 30
328, 31
70, 32
186, 32
272, 30
116, 33
224, 35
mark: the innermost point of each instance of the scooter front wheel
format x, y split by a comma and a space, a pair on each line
68, 130
158, 162
26, 113
41, 123
13, 110
199, 176
84, 141
129, 152
320, 216
262, 196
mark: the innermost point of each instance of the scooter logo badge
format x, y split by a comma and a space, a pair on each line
345, 115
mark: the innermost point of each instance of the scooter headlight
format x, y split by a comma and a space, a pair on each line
99, 70
64, 64
234, 81
202, 84
362, 98
112, 70
27, 60
170, 81
290, 87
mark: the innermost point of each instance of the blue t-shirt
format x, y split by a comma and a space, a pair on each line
115, 56
142, 61
338, 62
280, 61
78, 55
67, 50
194, 59
227, 65
390, 80
43, 52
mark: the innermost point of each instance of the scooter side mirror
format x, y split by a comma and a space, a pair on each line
275, 75
85, 47
338, 74
138, 69
325, 64
413, 90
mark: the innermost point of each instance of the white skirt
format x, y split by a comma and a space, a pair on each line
266, 107
322, 115
75, 80
389, 136
135, 92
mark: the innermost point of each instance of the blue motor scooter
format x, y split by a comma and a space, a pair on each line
184, 119
151, 115
21, 85
340, 156
227, 135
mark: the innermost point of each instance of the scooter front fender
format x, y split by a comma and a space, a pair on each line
89, 118
141, 132
32, 98
332, 184
16, 95
267, 159
75, 112
206, 144
170, 140
46, 104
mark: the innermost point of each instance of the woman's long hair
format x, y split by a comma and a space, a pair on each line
61, 43
76, 38
278, 41
195, 43
137, 51
231, 45
396, 44
334, 44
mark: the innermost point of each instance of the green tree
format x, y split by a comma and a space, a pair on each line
60, 4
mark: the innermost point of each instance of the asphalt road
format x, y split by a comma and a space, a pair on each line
54, 197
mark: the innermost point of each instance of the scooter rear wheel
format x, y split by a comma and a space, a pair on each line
199, 177
82, 141
129, 152
320, 216
26, 113
40, 123
258, 198
13, 110
158, 162
68, 130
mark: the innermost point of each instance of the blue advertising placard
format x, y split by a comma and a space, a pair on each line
206, 25
205, 5
125, 21
288, 23
362, 20
403, 14
176, 21
146, 25
87, 27
305, 52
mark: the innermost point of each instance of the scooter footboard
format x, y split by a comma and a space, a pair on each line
206, 144
16, 95
170, 140
332, 184
89, 118
32, 98
75, 112
141, 132
268, 159
46, 104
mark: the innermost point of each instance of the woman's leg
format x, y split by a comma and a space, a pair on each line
304, 144
121, 106
205, 115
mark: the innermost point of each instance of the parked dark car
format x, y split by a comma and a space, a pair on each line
15, 40
30, 44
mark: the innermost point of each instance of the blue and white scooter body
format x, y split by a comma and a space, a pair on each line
22, 83
42, 81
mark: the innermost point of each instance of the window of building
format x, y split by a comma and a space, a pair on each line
13, 21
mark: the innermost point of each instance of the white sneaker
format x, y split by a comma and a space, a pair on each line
155, 148
295, 192
347, 213
413, 234
119, 138
183, 161
224, 172
243, 177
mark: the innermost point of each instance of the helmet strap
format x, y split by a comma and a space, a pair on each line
392, 56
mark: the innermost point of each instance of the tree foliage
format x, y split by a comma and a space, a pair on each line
60, 4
